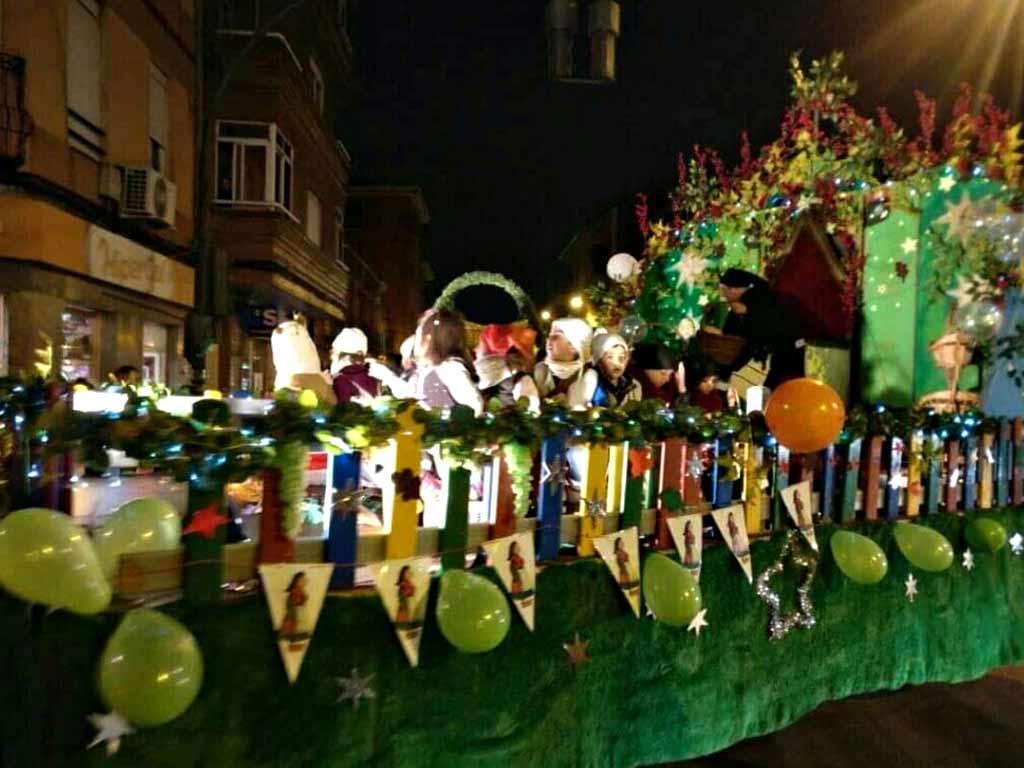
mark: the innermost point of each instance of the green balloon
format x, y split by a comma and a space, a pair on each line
142, 525
671, 592
861, 559
986, 535
925, 548
45, 557
472, 612
151, 669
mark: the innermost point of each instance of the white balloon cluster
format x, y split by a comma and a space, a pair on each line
622, 267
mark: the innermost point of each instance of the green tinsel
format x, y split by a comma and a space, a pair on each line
291, 461
519, 459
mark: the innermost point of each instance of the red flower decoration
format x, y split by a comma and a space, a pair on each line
205, 522
901, 270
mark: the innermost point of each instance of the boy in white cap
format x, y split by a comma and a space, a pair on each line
607, 384
352, 380
561, 372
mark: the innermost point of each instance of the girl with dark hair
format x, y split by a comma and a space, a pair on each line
406, 590
296, 600
515, 566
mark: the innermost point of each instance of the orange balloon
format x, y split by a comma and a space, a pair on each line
805, 415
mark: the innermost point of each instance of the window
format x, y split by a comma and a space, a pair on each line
318, 86
239, 14
154, 353
78, 350
339, 236
254, 165
313, 224
85, 113
158, 141
4, 349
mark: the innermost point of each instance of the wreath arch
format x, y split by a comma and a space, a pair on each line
524, 304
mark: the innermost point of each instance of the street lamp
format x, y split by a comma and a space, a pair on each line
576, 302
545, 315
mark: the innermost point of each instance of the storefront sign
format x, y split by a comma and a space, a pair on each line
260, 321
123, 262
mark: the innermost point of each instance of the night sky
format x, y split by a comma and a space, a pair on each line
454, 98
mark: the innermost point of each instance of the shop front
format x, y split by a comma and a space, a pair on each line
86, 299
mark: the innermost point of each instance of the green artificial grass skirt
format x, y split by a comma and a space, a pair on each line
650, 694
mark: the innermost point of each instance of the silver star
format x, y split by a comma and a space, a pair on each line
946, 183
898, 480
554, 472
968, 560
110, 728
957, 218
911, 586
595, 509
698, 623
969, 288
1017, 544
695, 467
909, 245
354, 688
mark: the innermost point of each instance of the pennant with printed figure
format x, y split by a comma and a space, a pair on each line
733, 525
687, 533
797, 499
513, 559
621, 553
403, 586
295, 594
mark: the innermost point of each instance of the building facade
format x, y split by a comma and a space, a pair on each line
96, 185
279, 176
384, 231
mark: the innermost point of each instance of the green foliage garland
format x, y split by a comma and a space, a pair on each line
523, 302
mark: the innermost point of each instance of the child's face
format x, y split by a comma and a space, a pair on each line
658, 378
559, 349
707, 384
614, 362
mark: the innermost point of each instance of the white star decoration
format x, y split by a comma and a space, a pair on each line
554, 472
968, 562
110, 728
909, 245
689, 268
698, 623
695, 467
898, 480
969, 288
806, 201
355, 688
1017, 544
911, 587
702, 301
957, 218
946, 183
954, 478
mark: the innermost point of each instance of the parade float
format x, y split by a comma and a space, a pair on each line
714, 576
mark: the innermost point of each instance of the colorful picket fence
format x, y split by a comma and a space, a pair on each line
621, 486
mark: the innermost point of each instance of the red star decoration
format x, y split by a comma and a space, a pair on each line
853, 465
901, 270
639, 461
784, 467
914, 489
205, 522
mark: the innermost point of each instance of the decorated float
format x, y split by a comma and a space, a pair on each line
839, 543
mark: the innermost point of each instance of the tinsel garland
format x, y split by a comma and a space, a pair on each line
291, 460
523, 302
519, 459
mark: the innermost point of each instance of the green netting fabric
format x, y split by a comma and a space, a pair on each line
651, 693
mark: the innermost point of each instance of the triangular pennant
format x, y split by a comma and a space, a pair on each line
797, 499
295, 594
733, 525
513, 559
621, 553
688, 535
403, 586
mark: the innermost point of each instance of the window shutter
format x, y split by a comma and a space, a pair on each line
158, 107
83, 46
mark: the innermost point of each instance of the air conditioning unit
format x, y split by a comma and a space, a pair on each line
147, 194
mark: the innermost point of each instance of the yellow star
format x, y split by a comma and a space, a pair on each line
946, 183
909, 245
957, 218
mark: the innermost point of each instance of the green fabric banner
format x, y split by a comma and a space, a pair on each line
650, 694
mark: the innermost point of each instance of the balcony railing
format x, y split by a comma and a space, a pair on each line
15, 121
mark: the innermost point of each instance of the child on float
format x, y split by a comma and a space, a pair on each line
504, 357
660, 373
561, 372
351, 372
608, 384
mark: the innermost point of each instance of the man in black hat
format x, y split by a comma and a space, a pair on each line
757, 315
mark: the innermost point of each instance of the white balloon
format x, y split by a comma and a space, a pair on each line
621, 267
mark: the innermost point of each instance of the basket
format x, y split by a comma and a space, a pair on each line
721, 348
